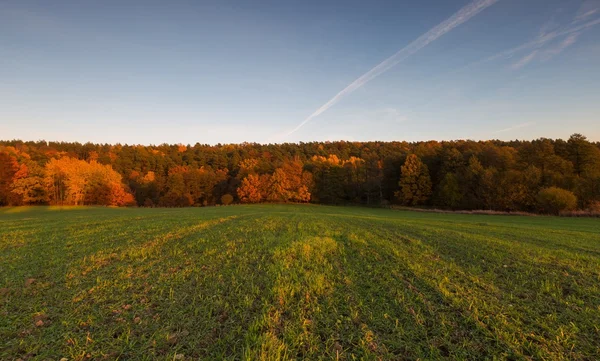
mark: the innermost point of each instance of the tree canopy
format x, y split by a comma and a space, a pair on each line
463, 174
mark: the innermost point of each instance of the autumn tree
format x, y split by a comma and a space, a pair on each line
65, 180
495, 174
247, 166
415, 183
279, 187
28, 184
71, 181
252, 189
290, 183
8, 167
555, 200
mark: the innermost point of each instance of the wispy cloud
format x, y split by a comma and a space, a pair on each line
514, 127
539, 46
392, 115
541, 41
524, 60
455, 20
587, 9
560, 47
586, 14
545, 54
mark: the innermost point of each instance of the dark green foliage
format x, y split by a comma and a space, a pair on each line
449, 193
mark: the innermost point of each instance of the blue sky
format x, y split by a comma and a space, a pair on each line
149, 72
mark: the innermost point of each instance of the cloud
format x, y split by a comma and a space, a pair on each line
455, 20
568, 41
570, 33
389, 115
548, 53
587, 9
514, 127
524, 61
586, 14
541, 41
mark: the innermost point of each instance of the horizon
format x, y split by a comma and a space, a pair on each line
146, 73
299, 142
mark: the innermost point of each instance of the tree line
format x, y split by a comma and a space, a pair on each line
543, 175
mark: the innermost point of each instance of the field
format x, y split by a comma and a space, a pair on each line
276, 282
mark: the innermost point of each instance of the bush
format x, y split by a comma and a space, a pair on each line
226, 199
554, 200
584, 213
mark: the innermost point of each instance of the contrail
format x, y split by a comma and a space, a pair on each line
542, 40
455, 20
514, 127
536, 43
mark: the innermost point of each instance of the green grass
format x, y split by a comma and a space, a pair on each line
296, 282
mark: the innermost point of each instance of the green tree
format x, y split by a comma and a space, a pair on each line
177, 195
584, 155
449, 194
374, 180
472, 185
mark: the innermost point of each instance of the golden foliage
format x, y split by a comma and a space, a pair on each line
75, 182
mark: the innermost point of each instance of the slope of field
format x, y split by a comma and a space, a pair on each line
296, 282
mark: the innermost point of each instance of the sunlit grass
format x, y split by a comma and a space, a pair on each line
276, 282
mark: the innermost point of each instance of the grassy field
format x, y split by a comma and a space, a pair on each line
277, 282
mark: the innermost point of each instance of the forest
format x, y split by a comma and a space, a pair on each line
543, 175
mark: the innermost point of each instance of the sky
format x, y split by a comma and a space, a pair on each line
225, 71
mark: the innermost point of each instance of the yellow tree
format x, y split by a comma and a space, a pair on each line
415, 183
280, 186
74, 182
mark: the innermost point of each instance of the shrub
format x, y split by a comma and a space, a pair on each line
553, 200
226, 199
581, 213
